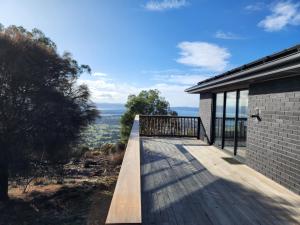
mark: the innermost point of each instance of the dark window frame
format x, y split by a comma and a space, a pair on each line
224, 114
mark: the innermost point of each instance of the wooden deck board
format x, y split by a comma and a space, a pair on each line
186, 182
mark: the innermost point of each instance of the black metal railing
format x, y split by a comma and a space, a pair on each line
172, 126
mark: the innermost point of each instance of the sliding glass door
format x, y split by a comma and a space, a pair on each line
219, 119
230, 121
242, 123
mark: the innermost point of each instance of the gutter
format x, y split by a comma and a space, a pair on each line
268, 66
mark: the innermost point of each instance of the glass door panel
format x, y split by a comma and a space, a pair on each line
219, 119
230, 117
242, 123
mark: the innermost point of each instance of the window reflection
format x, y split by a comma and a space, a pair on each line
230, 121
235, 125
242, 123
219, 119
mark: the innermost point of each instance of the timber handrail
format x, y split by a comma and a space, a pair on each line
125, 207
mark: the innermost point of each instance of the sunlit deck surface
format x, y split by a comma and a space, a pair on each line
187, 182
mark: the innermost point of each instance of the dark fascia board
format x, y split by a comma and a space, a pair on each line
259, 77
250, 72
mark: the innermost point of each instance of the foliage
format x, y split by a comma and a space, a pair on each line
105, 129
145, 103
42, 110
98, 134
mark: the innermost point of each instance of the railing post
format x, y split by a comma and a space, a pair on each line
198, 128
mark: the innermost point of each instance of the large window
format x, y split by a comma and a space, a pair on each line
219, 119
242, 123
230, 123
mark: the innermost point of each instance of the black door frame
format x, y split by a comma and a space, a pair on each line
224, 118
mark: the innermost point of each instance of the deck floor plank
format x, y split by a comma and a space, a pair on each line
185, 182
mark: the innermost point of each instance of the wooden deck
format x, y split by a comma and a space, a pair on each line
186, 182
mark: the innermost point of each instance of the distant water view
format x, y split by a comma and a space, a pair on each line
107, 128
108, 109
186, 111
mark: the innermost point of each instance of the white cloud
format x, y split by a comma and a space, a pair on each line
184, 79
100, 74
175, 94
227, 35
204, 55
155, 5
283, 14
176, 76
110, 91
258, 6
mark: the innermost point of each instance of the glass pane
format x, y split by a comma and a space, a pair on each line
219, 119
230, 121
242, 123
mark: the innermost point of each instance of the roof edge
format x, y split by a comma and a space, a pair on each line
267, 62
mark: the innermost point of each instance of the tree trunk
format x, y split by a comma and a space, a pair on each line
3, 181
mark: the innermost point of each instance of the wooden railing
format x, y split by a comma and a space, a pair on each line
125, 207
171, 126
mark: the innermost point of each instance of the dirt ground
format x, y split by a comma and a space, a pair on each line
83, 199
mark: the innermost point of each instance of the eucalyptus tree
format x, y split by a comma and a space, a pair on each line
145, 103
42, 109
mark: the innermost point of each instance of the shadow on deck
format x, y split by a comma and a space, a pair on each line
179, 189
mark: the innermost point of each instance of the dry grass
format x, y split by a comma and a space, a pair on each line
83, 198
85, 203
116, 158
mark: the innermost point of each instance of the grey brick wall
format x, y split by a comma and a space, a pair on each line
273, 143
206, 105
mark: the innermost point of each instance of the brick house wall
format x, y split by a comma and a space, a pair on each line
273, 144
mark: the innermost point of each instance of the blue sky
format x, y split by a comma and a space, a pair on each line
165, 44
